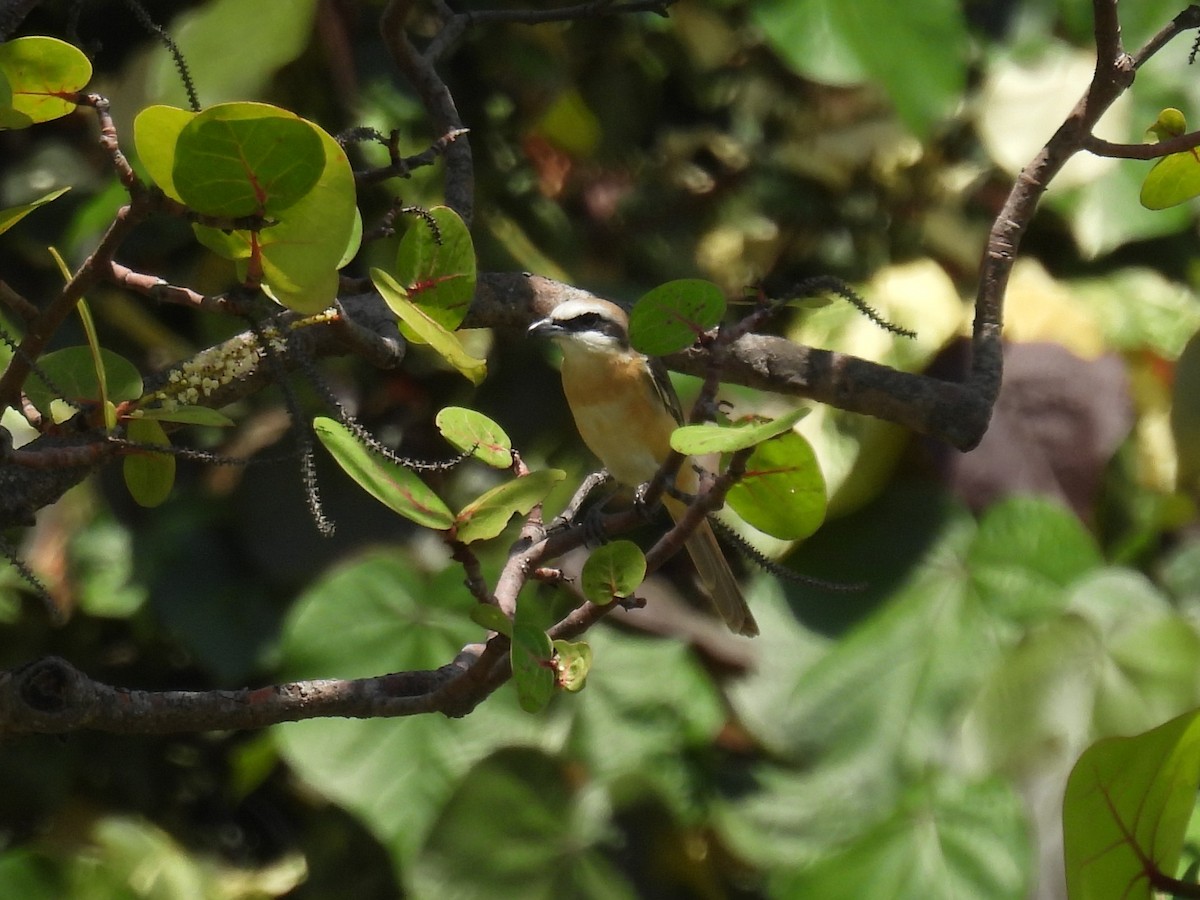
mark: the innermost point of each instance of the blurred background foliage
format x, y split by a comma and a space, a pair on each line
907, 740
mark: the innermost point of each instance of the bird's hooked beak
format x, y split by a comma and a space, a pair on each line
545, 328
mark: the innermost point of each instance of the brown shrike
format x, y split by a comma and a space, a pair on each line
625, 410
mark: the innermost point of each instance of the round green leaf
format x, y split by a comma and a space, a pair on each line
783, 491
392, 485
530, 654
444, 343
437, 271
669, 317
485, 517
613, 571
469, 430
229, 165
572, 662
696, 440
1173, 180
491, 618
41, 74
73, 371
148, 476
156, 131
302, 251
14, 214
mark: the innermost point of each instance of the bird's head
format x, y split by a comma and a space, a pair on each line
588, 324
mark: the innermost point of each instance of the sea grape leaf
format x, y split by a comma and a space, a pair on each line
612, 571
73, 371
436, 268
148, 476
472, 431
783, 490
486, 516
228, 165
669, 317
696, 440
391, 484
1127, 805
40, 74
443, 342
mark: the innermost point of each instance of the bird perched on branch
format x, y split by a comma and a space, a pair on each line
625, 410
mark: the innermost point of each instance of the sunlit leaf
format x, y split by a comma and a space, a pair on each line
443, 342
14, 214
572, 662
392, 485
227, 164
783, 491
41, 74
613, 571
671, 316
436, 269
148, 476
696, 440
469, 430
486, 516
1127, 805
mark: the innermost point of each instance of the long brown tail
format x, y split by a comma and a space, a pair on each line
714, 571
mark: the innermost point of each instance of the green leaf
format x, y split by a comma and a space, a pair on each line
388, 617
530, 654
783, 491
1173, 180
486, 516
1127, 804
516, 827
696, 440
469, 430
392, 485
1026, 552
672, 315
300, 253
73, 370
210, 35
491, 618
572, 662
227, 164
437, 270
41, 73
188, 415
943, 842
443, 342
844, 43
156, 131
613, 571
14, 214
148, 476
